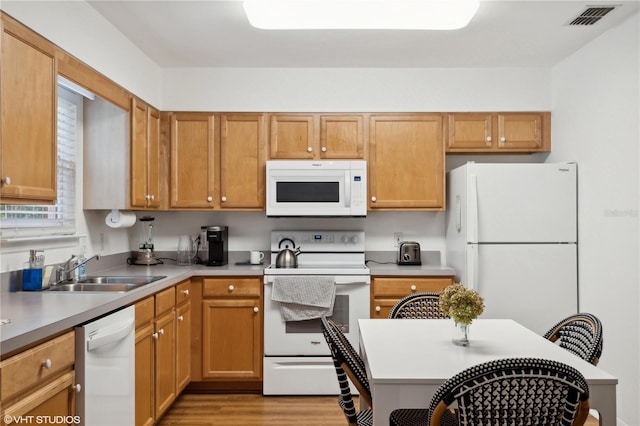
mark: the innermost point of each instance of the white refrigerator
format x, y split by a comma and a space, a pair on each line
511, 234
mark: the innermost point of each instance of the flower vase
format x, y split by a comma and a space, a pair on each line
460, 334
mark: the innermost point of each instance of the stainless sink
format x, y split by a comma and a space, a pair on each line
105, 283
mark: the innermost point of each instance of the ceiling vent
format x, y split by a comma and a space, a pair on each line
591, 15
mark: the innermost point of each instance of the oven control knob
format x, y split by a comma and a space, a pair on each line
354, 239
345, 239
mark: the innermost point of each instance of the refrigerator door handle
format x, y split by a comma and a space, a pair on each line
473, 209
472, 267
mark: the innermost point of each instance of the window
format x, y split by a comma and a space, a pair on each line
58, 219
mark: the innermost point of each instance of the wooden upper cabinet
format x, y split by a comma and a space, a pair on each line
145, 155
242, 161
317, 136
342, 136
406, 162
28, 97
292, 136
193, 165
499, 132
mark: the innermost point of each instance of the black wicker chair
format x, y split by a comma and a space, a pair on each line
508, 391
418, 305
580, 334
348, 364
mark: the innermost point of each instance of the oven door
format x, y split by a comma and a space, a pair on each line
305, 338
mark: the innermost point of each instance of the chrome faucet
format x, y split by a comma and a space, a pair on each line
63, 271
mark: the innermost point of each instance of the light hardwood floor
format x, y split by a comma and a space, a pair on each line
258, 410
253, 410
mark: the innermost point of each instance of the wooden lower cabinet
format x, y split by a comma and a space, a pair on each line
387, 291
39, 382
165, 357
183, 335
163, 336
228, 334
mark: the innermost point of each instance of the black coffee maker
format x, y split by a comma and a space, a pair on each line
218, 242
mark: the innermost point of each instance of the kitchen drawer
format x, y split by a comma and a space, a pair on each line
165, 300
236, 287
183, 292
400, 287
144, 311
36, 365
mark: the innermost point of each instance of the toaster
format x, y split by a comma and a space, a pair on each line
409, 253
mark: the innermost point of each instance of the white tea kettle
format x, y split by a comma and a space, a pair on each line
287, 257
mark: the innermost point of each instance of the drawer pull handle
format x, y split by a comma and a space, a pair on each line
256, 309
413, 287
378, 309
77, 387
185, 292
46, 363
231, 287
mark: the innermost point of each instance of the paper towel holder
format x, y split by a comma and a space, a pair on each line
117, 219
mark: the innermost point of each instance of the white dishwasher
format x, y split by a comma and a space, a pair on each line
105, 362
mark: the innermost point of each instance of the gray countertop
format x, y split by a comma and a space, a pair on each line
38, 315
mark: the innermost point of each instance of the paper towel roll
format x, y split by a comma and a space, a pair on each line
118, 219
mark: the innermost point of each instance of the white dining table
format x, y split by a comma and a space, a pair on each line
407, 359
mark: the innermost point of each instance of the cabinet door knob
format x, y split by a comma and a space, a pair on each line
223, 198
413, 287
256, 309
231, 287
503, 139
161, 331
153, 197
378, 308
373, 199
77, 387
309, 149
46, 363
209, 198
324, 149
185, 292
6, 181
488, 138
180, 318
155, 336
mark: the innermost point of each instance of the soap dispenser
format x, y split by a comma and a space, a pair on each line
32, 271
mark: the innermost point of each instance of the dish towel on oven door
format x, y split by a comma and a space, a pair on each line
303, 298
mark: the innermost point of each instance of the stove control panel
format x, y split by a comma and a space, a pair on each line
330, 241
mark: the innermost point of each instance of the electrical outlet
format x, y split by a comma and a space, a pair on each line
397, 237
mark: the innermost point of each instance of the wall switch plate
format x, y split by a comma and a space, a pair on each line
397, 238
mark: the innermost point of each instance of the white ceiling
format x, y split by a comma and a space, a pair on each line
513, 33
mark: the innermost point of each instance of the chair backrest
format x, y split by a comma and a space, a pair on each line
348, 364
515, 391
580, 334
423, 305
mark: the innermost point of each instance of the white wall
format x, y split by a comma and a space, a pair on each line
596, 98
351, 89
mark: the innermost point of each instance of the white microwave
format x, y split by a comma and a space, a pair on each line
316, 188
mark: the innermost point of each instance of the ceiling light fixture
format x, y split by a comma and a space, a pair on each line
360, 14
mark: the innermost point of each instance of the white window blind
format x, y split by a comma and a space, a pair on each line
58, 219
